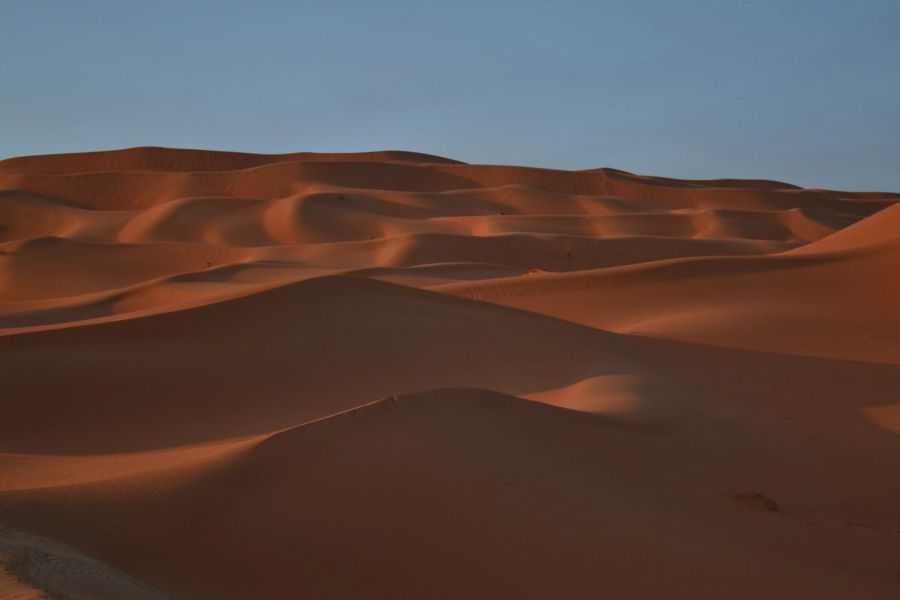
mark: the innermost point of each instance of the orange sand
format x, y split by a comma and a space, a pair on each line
393, 375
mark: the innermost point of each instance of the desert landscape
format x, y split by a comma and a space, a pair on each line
392, 375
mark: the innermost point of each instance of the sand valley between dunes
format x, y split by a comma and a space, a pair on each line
391, 375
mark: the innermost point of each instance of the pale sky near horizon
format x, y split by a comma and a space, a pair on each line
805, 91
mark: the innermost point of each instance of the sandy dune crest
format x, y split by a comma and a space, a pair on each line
395, 375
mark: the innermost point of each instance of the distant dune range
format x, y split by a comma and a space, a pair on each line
392, 375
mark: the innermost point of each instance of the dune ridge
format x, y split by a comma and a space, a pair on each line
391, 374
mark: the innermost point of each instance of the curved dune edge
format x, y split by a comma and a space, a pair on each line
390, 374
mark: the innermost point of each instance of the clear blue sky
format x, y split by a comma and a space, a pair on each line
806, 91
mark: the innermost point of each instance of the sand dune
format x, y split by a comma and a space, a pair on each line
835, 297
394, 375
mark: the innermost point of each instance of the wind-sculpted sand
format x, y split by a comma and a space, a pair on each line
392, 375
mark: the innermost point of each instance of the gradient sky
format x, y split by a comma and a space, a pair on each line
806, 91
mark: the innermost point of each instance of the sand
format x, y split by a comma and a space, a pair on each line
394, 375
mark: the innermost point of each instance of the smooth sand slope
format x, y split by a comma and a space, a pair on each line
394, 375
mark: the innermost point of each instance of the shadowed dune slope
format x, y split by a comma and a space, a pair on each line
393, 375
299, 352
